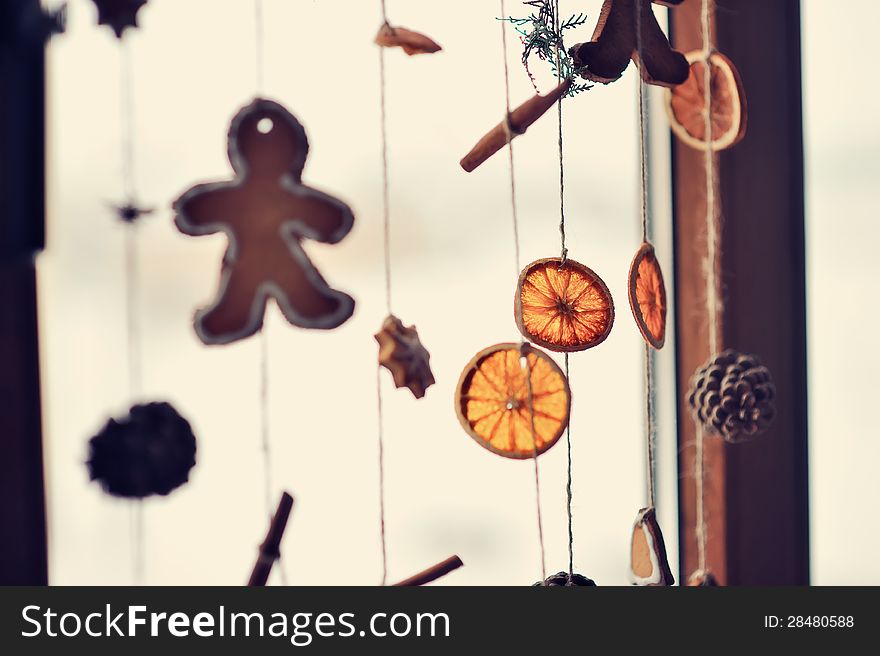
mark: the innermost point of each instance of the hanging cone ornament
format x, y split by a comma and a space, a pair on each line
401, 352
267, 212
647, 296
732, 396
412, 43
151, 451
562, 579
648, 564
563, 305
119, 15
702, 579
494, 398
686, 103
616, 41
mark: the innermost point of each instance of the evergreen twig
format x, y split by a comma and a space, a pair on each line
541, 38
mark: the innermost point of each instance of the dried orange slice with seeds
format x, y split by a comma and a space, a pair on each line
686, 102
647, 296
563, 306
498, 407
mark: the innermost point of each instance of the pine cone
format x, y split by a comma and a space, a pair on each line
151, 451
732, 396
562, 580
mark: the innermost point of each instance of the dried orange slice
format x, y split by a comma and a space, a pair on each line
563, 306
686, 102
492, 400
647, 296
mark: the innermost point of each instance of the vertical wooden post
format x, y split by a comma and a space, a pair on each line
22, 504
756, 493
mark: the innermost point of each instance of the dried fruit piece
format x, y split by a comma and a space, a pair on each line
413, 43
686, 103
648, 565
563, 306
647, 296
492, 400
401, 352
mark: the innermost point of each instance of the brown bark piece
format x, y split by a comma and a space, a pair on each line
412, 43
266, 212
401, 352
615, 42
520, 119
648, 563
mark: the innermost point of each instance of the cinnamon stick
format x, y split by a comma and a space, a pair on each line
270, 550
432, 573
520, 119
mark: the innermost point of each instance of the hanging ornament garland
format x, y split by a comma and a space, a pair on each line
152, 449
731, 396
647, 299
400, 350
512, 398
560, 304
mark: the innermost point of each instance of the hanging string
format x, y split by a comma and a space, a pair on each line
650, 428
508, 133
563, 257
382, 536
644, 214
386, 214
264, 386
265, 442
508, 130
128, 186
712, 296
259, 41
127, 210
386, 251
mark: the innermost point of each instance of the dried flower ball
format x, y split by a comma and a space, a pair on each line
563, 579
150, 451
732, 396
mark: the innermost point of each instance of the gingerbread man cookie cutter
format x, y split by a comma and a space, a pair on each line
266, 212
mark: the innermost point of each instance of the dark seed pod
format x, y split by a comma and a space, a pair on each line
564, 580
732, 396
151, 451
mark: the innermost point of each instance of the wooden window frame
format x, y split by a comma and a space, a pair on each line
756, 494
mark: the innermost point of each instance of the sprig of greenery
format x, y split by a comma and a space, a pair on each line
541, 38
